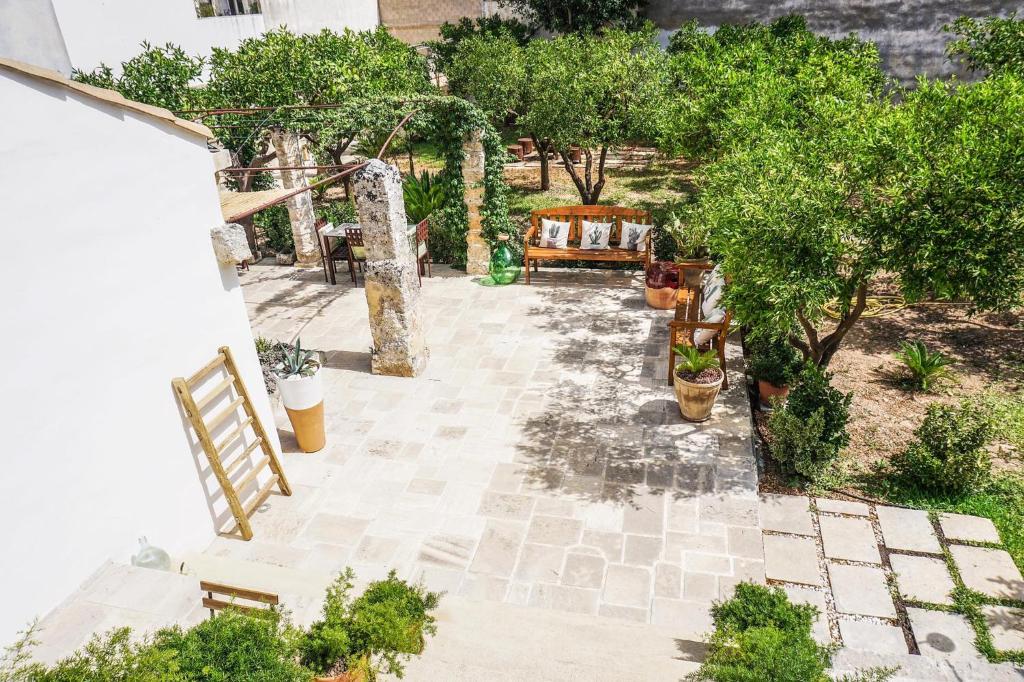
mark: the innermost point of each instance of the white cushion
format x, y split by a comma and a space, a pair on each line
702, 336
553, 234
634, 236
421, 250
713, 292
595, 235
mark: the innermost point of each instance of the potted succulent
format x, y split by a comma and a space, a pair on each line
690, 249
697, 381
302, 392
662, 285
773, 364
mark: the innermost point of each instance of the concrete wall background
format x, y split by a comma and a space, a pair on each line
310, 16
908, 32
29, 33
111, 289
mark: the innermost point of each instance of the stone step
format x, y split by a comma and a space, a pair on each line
482, 640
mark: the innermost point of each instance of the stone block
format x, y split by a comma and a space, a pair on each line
554, 530
642, 550
793, 560
1006, 625
745, 542
562, 598
506, 506
922, 579
907, 529
989, 571
583, 570
668, 580
498, 549
702, 587
230, 244
627, 586
539, 563
698, 562
865, 635
969, 528
688, 620
861, 591
786, 514
849, 539
942, 635
826, 504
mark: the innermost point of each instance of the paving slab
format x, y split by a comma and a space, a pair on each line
989, 571
850, 539
866, 635
583, 570
826, 504
942, 635
969, 528
791, 559
786, 514
922, 579
860, 590
1006, 625
907, 529
627, 586
816, 598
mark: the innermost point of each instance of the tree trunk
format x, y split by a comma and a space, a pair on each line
821, 351
250, 233
412, 164
543, 149
590, 191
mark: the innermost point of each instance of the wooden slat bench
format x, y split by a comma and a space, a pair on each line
216, 593
575, 215
689, 320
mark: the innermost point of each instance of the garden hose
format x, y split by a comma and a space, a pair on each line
877, 306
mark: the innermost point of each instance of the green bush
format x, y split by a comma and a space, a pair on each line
276, 227
110, 657
423, 196
338, 212
812, 392
925, 366
774, 361
760, 636
949, 455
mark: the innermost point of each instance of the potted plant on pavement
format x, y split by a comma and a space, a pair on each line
661, 285
691, 250
773, 364
302, 392
697, 381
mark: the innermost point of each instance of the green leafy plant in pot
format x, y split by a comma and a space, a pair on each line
697, 381
691, 249
773, 364
302, 392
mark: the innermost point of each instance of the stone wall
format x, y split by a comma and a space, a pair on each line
908, 32
416, 21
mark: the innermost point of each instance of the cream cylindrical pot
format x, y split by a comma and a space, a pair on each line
303, 399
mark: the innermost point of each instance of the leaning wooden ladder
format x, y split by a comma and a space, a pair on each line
204, 428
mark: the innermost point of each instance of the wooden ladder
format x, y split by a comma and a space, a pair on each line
214, 452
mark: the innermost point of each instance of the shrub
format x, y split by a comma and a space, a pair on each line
338, 212
696, 365
812, 392
949, 454
926, 367
277, 228
774, 361
110, 657
759, 635
423, 196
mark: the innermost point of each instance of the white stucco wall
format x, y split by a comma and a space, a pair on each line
310, 16
29, 33
110, 289
110, 31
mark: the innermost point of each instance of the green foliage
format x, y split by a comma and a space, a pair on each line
297, 362
926, 367
490, 71
453, 35
810, 430
991, 44
1007, 417
759, 635
949, 455
693, 361
338, 212
423, 196
276, 226
690, 240
566, 16
160, 76
774, 361
110, 657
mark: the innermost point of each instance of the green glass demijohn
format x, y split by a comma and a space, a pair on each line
504, 266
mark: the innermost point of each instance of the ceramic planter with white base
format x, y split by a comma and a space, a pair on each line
303, 398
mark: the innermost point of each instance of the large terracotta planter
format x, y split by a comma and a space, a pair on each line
303, 399
767, 391
696, 400
663, 298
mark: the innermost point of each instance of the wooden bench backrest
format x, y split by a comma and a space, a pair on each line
220, 596
575, 215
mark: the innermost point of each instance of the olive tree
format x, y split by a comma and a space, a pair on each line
161, 76
991, 44
567, 16
595, 92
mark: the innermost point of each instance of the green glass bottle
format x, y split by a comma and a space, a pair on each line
504, 267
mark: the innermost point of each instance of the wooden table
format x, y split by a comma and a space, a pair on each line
338, 232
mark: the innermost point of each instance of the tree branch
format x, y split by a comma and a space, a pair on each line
567, 162
830, 344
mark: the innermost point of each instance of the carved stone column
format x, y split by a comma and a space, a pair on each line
300, 206
478, 253
392, 288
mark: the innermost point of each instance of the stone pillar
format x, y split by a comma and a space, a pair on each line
392, 288
478, 253
300, 206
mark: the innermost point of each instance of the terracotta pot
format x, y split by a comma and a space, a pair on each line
663, 298
767, 391
303, 399
696, 400
350, 676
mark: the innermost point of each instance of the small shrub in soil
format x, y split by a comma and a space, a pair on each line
949, 455
774, 361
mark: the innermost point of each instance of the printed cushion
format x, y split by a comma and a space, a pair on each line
702, 336
595, 235
713, 292
553, 234
634, 236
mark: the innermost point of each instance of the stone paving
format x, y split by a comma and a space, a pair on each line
879, 576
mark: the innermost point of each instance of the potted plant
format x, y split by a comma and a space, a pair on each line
773, 364
690, 249
302, 392
662, 285
697, 380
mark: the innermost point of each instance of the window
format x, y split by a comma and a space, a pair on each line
226, 8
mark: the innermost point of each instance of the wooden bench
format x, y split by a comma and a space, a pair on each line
575, 215
690, 320
258, 601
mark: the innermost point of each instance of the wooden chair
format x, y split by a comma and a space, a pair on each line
422, 251
328, 255
257, 601
575, 215
689, 320
356, 250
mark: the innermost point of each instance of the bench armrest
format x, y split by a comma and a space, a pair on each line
530, 234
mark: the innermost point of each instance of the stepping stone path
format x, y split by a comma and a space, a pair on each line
879, 576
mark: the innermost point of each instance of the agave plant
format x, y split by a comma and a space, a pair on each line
926, 367
694, 361
423, 196
297, 362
